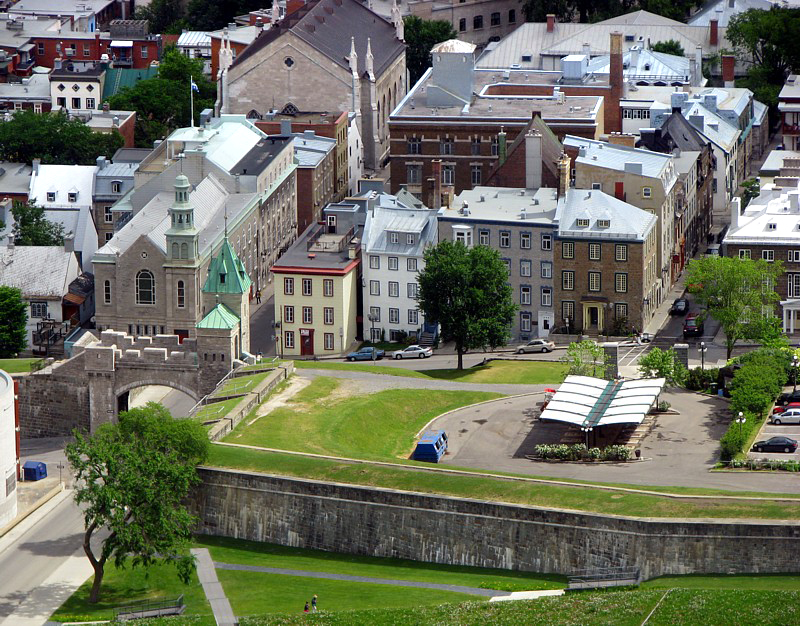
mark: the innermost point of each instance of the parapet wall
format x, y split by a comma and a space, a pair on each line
382, 522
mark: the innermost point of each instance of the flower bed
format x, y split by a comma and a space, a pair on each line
579, 452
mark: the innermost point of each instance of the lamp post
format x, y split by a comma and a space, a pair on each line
372, 319
740, 420
566, 321
586, 430
702, 350
795, 364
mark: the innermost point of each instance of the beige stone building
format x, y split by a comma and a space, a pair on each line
329, 55
476, 21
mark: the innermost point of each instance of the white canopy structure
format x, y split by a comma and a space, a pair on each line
591, 402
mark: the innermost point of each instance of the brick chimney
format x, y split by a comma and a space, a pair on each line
437, 184
551, 22
617, 83
622, 139
713, 37
563, 174
728, 65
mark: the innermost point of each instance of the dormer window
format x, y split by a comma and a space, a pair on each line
222, 279
394, 238
51, 196
772, 226
410, 240
603, 223
116, 186
582, 222
72, 196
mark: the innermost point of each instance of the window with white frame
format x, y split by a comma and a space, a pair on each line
525, 241
413, 317
568, 310
547, 296
620, 310
594, 281
375, 313
621, 252
393, 263
525, 295
768, 255
547, 242
744, 254
394, 289
594, 251
621, 282
39, 309
463, 235
410, 239
568, 250
647, 192
505, 239
307, 287
327, 315
107, 292
525, 322
51, 196
288, 286
145, 287
568, 280
108, 216
413, 174
411, 264
597, 186
394, 316
414, 145
525, 267
794, 286
446, 146
374, 262
475, 174
289, 339
288, 314
411, 289
327, 287
547, 269
794, 256
483, 237
448, 174
374, 288
328, 338
308, 315
394, 238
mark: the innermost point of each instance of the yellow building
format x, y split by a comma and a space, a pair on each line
316, 291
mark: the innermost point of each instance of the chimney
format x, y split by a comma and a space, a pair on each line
736, 211
676, 100
634, 57
437, 184
710, 102
10, 243
794, 201
259, 26
617, 82
286, 127
35, 165
697, 121
551, 22
698, 66
563, 174
533, 159
622, 139
587, 50
101, 162
713, 38
728, 65
69, 244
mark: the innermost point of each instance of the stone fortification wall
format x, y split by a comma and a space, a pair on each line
380, 522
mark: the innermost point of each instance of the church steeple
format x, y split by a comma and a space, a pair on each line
182, 234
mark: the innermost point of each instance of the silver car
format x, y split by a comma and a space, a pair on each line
789, 416
536, 345
413, 352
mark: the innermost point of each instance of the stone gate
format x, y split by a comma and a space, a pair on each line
94, 385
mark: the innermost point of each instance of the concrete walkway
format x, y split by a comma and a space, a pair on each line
475, 591
223, 613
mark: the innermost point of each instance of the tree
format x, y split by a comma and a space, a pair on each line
133, 477
163, 103
53, 138
585, 358
466, 291
214, 14
752, 189
32, 228
13, 320
421, 35
663, 364
164, 16
670, 46
736, 293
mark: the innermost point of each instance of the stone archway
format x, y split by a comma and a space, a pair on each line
122, 394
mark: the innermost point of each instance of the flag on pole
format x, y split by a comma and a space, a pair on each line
194, 86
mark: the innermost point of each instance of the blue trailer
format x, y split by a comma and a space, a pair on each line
34, 470
431, 446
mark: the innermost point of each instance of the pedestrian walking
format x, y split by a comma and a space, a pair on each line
258, 296
314, 603
305, 610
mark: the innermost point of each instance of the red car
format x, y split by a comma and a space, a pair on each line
781, 409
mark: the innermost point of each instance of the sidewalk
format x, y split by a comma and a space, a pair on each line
662, 312
223, 613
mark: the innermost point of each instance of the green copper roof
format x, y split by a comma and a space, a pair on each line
117, 79
226, 274
219, 317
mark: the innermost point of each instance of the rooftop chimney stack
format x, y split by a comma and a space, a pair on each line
563, 174
736, 211
616, 81
713, 37
728, 69
551, 22
533, 159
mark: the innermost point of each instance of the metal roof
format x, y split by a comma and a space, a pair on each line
391, 215
627, 222
226, 273
219, 317
592, 402
194, 39
615, 157
722, 11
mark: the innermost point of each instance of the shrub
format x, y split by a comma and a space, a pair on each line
737, 436
617, 453
700, 379
578, 452
664, 406
595, 454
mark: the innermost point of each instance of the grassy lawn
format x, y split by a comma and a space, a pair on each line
16, 366
618, 608
382, 425
241, 384
240, 552
127, 586
688, 607
266, 363
752, 582
216, 410
578, 497
510, 372
253, 593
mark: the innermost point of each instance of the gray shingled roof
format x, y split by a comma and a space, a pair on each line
627, 221
43, 271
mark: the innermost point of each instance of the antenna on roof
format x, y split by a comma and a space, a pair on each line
226, 220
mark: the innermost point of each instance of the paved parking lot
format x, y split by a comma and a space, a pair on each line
774, 430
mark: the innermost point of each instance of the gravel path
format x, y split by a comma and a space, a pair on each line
371, 383
476, 591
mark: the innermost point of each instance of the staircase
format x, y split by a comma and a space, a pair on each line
426, 339
604, 577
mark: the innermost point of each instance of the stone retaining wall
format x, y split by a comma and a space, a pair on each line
382, 522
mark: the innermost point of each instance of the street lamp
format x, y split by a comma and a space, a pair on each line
372, 318
795, 363
702, 350
566, 321
587, 430
740, 420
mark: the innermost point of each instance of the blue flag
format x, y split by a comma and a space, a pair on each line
195, 87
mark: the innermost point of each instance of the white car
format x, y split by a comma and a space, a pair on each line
536, 345
413, 352
789, 416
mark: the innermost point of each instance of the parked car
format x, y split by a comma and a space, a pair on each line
536, 345
789, 397
679, 307
789, 416
776, 444
693, 326
413, 352
712, 250
783, 407
366, 354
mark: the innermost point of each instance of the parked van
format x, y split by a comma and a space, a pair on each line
431, 446
712, 250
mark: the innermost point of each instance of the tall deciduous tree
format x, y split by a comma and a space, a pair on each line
32, 228
133, 478
736, 293
421, 35
663, 364
13, 319
466, 291
585, 358
670, 46
214, 14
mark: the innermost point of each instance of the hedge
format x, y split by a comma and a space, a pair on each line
579, 452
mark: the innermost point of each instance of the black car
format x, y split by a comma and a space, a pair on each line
789, 397
679, 307
776, 444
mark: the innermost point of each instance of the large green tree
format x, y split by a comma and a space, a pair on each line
53, 138
215, 14
132, 480
670, 46
663, 364
13, 319
32, 228
421, 35
163, 103
164, 16
768, 43
466, 291
585, 358
596, 10
738, 293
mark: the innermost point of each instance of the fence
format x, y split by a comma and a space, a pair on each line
150, 608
